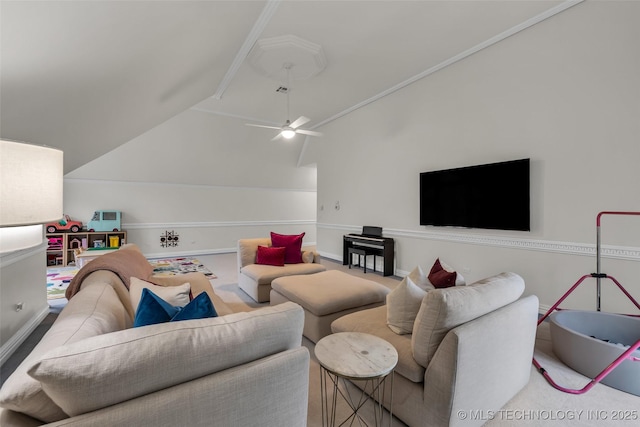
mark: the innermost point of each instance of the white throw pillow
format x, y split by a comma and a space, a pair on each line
177, 296
403, 304
420, 279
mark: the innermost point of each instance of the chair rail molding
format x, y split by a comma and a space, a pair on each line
143, 226
628, 253
13, 257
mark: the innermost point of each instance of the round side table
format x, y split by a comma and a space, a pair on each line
355, 356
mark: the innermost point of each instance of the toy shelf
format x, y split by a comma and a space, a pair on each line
61, 246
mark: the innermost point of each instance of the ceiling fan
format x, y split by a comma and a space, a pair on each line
289, 129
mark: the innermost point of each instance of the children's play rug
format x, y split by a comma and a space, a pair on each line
58, 278
174, 266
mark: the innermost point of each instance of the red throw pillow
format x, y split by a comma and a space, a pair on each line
293, 245
441, 278
270, 256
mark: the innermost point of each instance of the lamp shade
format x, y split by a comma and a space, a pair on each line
31, 181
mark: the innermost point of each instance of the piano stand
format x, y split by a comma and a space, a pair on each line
371, 245
362, 252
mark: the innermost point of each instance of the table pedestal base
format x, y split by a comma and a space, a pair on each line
373, 388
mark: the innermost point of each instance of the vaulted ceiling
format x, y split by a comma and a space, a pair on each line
88, 77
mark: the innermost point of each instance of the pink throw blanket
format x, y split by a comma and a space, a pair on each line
125, 263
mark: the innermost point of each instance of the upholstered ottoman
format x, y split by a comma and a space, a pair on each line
327, 296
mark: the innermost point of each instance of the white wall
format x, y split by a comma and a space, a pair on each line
564, 93
208, 178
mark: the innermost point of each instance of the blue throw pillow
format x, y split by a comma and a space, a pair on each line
152, 309
200, 307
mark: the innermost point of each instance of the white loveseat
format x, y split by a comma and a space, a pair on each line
93, 369
470, 351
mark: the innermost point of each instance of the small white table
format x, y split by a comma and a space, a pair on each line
85, 256
355, 356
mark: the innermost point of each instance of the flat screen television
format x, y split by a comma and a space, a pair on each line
490, 196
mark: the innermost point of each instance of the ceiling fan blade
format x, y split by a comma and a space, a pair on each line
278, 136
262, 126
308, 132
299, 122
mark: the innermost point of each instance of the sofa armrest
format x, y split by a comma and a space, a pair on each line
481, 364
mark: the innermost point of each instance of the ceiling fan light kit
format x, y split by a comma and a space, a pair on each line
288, 133
289, 129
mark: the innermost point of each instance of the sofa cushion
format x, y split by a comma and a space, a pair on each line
153, 309
403, 304
444, 309
112, 368
330, 291
94, 310
271, 255
175, 295
374, 321
293, 245
264, 274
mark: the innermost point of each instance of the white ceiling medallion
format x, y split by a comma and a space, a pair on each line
268, 56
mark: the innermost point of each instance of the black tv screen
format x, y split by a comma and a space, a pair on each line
491, 196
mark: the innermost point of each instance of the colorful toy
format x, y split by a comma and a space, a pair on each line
55, 243
105, 221
65, 224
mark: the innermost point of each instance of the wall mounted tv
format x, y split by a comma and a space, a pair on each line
491, 196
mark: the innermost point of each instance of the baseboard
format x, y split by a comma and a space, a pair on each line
23, 333
543, 308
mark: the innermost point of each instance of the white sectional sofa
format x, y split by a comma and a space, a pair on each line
470, 350
93, 369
